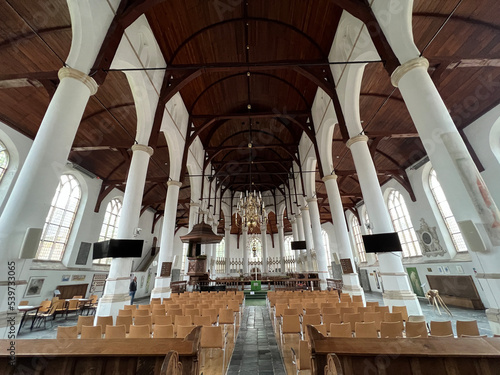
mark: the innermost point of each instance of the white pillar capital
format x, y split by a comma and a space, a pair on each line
305, 208
292, 221
311, 200
333, 176
194, 204
357, 138
80, 76
419, 62
146, 149
174, 183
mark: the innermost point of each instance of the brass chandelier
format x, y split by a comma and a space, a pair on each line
251, 209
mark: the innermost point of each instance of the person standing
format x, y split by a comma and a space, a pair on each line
132, 289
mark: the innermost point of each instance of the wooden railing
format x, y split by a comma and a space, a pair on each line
99, 356
436, 356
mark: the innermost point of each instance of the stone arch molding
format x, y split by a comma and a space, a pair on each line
90, 20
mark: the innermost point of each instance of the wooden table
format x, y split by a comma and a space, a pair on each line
25, 309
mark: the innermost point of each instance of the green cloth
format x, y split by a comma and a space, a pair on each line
255, 285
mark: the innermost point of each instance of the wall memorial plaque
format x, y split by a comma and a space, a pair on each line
166, 269
346, 266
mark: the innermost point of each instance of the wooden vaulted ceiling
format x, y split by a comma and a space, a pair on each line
248, 72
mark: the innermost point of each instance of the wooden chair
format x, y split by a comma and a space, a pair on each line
45, 306
67, 332
329, 311
91, 332
363, 310
345, 297
130, 307
441, 329
371, 303
291, 312
77, 297
310, 319
356, 306
212, 313
416, 318
104, 321
84, 321
192, 312
125, 312
329, 319
290, 326
51, 314
115, 332
156, 301
202, 321
313, 311
340, 330
141, 312
23, 303
401, 309
382, 309
302, 359
144, 307
163, 331
391, 330
311, 305
416, 329
125, 320
163, 320
73, 306
357, 299
467, 328
394, 317
213, 338
139, 332
156, 314
367, 329
174, 312
352, 318
142, 320
346, 310
183, 331
226, 316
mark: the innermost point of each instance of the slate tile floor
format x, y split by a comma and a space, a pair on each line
256, 350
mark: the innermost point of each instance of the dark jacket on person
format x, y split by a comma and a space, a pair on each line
133, 286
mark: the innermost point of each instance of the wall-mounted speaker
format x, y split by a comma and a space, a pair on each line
472, 236
30, 244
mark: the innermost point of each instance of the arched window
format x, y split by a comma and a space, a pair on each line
110, 225
444, 209
4, 159
221, 249
60, 219
288, 246
254, 246
402, 224
358, 240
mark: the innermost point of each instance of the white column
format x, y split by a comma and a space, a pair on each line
301, 254
227, 236
295, 235
306, 221
162, 283
465, 190
281, 243
116, 293
397, 290
245, 250
263, 234
32, 194
351, 280
319, 244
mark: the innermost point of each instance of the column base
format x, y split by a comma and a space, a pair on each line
109, 304
162, 288
493, 316
403, 298
351, 285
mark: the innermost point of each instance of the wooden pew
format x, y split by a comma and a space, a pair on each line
101, 356
418, 356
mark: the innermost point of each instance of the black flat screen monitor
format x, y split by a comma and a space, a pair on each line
382, 242
298, 245
118, 248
